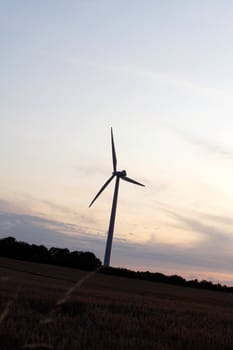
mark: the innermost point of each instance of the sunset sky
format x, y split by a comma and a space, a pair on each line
161, 74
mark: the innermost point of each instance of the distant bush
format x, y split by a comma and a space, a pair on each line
11, 248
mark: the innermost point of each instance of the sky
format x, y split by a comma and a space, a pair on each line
160, 74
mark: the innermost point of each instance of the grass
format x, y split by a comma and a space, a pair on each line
106, 312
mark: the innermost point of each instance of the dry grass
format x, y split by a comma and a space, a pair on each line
107, 312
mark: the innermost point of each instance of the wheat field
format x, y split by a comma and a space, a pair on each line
49, 307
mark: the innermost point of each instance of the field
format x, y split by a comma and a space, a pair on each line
43, 307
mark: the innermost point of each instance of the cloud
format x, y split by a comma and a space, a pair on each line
40, 230
219, 219
210, 147
95, 168
169, 78
8, 206
58, 207
214, 247
212, 236
55, 208
210, 254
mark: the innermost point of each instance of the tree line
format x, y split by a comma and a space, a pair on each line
161, 278
11, 248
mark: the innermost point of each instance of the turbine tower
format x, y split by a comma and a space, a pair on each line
118, 175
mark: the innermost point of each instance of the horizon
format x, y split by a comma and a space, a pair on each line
160, 75
30, 259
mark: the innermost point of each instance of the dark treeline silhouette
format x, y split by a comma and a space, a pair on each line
11, 248
160, 277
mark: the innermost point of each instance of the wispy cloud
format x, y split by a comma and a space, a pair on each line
211, 147
214, 233
8, 206
57, 208
168, 77
40, 230
211, 254
94, 168
213, 237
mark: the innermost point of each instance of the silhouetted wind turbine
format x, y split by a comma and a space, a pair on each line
119, 175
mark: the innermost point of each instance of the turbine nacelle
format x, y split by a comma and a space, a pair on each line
120, 173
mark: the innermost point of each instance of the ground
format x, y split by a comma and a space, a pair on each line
50, 307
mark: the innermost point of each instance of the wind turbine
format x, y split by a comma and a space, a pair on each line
118, 175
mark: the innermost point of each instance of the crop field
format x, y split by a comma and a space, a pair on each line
50, 307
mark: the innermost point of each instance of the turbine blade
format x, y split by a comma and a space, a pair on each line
101, 190
132, 181
114, 159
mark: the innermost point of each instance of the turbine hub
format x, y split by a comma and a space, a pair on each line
120, 173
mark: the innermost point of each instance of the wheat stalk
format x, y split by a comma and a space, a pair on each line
38, 345
68, 294
58, 304
8, 306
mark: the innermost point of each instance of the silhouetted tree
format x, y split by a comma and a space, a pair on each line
11, 248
